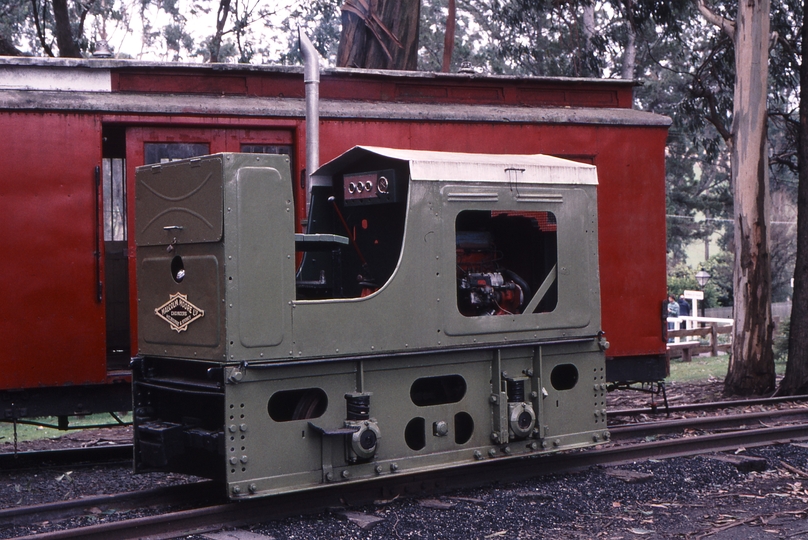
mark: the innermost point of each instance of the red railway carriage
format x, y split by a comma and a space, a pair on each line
76, 129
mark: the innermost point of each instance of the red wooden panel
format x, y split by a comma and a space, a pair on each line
374, 87
200, 83
52, 329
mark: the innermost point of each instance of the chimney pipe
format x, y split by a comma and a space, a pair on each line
311, 78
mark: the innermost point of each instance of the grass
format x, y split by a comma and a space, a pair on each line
27, 432
702, 368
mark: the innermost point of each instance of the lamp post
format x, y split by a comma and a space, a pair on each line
702, 278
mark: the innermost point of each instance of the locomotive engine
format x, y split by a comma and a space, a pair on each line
440, 309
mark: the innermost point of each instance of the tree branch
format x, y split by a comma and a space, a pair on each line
726, 25
39, 30
712, 105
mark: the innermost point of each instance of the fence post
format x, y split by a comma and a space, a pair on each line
714, 338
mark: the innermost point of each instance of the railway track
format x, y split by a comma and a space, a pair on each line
207, 512
692, 407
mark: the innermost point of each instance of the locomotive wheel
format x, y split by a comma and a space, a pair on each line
309, 402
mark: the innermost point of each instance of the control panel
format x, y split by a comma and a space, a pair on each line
372, 187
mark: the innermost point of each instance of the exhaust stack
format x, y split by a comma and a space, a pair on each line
311, 78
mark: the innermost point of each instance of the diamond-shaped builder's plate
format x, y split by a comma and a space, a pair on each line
179, 312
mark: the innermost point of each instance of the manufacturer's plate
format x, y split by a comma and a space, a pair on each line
179, 312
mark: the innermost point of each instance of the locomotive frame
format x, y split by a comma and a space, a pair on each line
69, 319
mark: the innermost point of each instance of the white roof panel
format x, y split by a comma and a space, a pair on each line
458, 167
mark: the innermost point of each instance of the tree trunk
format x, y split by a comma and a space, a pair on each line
751, 366
351, 51
630, 52
589, 63
796, 379
449, 37
379, 34
216, 41
68, 47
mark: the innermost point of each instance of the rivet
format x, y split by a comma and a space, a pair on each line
253, 488
492, 452
556, 442
244, 459
379, 469
233, 460
478, 454
232, 428
507, 450
329, 477
493, 398
394, 467
243, 427
534, 446
346, 473
236, 490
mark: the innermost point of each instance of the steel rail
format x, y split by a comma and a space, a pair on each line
736, 421
91, 455
193, 493
199, 520
707, 406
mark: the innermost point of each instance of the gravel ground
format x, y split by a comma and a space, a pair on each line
679, 498
695, 497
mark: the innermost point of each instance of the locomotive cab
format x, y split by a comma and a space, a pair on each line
445, 309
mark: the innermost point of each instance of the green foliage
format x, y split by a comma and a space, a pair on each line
717, 292
781, 341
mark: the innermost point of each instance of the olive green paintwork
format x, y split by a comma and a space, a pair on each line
262, 342
245, 282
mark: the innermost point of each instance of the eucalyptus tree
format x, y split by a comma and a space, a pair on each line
796, 376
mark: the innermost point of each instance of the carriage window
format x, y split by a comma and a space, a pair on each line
114, 189
163, 152
267, 149
506, 262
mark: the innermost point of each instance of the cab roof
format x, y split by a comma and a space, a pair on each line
427, 165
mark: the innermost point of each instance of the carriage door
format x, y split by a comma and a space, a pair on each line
146, 145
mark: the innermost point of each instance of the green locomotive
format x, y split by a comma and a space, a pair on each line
440, 309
